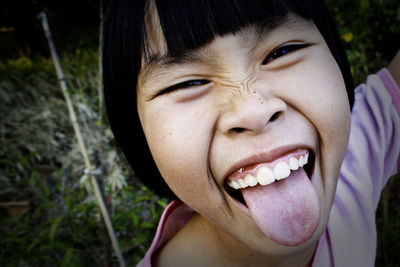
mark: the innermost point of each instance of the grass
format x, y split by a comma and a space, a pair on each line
40, 163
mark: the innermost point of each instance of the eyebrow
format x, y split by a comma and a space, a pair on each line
266, 26
157, 62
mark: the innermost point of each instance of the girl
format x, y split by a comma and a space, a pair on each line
244, 112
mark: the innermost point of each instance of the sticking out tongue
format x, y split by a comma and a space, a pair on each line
286, 211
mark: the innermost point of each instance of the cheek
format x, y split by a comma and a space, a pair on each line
324, 99
332, 111
178, 138
317, 91
333, 120
329, 111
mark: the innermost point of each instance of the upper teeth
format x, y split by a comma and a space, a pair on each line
267, 176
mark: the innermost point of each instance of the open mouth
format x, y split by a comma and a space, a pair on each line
258, 178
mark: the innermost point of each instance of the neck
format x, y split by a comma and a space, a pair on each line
201, 243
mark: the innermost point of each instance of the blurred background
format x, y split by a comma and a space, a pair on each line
48, 215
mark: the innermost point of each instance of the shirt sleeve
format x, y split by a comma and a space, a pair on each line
372, 157
374, 145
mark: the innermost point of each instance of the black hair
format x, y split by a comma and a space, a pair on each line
186, 25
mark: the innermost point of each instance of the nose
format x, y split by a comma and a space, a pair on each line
251, 114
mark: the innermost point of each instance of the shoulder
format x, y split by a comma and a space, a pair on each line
173, 219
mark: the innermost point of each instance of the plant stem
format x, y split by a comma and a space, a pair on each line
79, 138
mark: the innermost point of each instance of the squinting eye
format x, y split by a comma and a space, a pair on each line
281, 51
184, 85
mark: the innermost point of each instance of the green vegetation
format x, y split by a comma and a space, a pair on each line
369, 29
40, 161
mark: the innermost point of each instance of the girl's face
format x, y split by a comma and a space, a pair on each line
243, 101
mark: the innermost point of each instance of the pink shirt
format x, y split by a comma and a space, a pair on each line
372, 157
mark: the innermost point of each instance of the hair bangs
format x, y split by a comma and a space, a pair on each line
188, 25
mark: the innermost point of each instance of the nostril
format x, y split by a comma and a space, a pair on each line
275, 116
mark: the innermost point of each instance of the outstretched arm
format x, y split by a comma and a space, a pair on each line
394, 67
